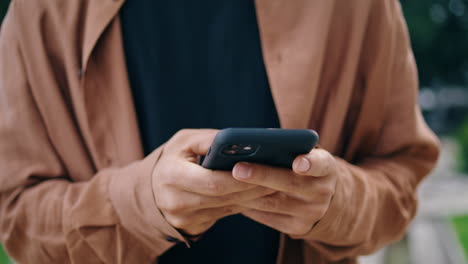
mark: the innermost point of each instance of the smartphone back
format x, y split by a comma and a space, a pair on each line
275, 147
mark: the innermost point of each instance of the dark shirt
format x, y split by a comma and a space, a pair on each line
198, 64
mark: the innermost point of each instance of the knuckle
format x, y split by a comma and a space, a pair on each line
329, 162
172, 204
215, 188
291, 229
175, 177
312, 212
296, 182
170, 176
330, 190
158, 186
170, 181
229, 210
199, 228
271, 202
181, 133
231, 197
299, 227
283, 197
324, 191
322, 154
177, 222
259, 173
321, 161
326, 169
267, 191
321, 211
317, 212
278, 202
164, 207
162, 202
225, 199
198, 202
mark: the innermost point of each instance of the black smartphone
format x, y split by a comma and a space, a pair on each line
275, 147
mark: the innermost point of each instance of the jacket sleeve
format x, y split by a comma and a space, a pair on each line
47, 218
375, 197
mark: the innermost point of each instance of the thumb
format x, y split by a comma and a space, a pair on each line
201, 142
317, 163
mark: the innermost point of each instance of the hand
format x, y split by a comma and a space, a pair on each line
302, 196
191, 197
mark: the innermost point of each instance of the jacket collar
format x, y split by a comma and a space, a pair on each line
99, 15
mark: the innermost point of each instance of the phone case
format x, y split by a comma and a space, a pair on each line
275, 147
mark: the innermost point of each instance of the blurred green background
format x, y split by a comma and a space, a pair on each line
438, 31
3, 256
439, 34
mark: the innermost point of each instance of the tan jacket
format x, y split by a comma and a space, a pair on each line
75, 187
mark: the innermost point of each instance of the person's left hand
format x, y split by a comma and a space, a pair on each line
303, 194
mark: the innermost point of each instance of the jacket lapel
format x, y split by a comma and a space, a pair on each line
104, 103
293, 51
99, 16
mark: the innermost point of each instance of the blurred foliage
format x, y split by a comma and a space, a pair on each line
3, 256
460, 223
462, 138
439, 35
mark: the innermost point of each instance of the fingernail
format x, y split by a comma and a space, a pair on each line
302, 165
242, 171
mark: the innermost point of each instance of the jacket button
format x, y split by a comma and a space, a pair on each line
172, 239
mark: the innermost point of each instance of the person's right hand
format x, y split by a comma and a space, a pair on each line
191, 197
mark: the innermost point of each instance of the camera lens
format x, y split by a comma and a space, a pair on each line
239, 149
229, 151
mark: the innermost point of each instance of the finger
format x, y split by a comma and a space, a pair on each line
194, 178
196, 230
191, 141
201, 142
183, 222
280, 179
280, 203
214, 214
317, 163
283, 223
233, 198
177, 202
